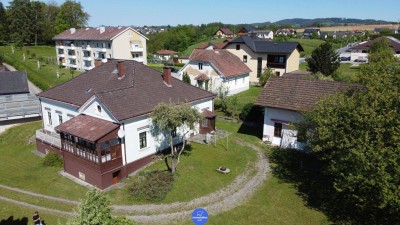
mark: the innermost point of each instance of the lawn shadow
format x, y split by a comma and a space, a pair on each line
317, 189
12, 221
253, 122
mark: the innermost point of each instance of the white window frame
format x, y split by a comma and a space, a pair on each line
140, 141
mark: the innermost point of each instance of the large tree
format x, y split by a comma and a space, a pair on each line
168, 118
20, 21
71, 15
323, 59
95, 209
356, 135
51, 12
3, 23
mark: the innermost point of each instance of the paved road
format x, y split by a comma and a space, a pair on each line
33, 89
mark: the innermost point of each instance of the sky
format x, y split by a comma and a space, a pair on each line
174, 12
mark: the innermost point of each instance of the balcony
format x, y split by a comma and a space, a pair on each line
103, 60
48, 137
87, 58
60, 46
87, 67
86, 48
276, 65
102, 49
138, 59
61, 55
136, 49
71, 56
71, 47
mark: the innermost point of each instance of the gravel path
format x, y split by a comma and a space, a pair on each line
241, 189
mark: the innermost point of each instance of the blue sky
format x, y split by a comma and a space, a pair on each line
173, 12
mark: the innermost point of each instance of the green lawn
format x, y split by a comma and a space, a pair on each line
190, 49
22, 169
196, 175
310, 44
45, 77
346, 73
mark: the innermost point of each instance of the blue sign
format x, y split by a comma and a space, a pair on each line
199, 216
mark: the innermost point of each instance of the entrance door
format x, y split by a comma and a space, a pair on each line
115, 179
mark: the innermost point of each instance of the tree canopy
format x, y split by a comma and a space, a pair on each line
323, 59
71, 14
356, 134
168, 117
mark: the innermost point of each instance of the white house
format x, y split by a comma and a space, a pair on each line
99, 121
165, 54
361, 50
211, 69
263, 34
83, 49
284, 99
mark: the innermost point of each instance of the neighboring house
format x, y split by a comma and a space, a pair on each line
284, 99
220, 45
263, 34
102, 119
308, 32
244, 30
165, 54
212, 69
85, 48
257, 54
361, 50
15, 100
223, 33
286, 32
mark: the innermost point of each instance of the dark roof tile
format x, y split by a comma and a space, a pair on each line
13, 82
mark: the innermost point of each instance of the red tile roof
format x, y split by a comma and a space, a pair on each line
92, 34
215, 45
297, 94
166, 52
208, 114
137, 93
87, 127
226, 31
225, 62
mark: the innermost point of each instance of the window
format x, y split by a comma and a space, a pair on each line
200, 66
103, 56
97, 44
143, 139
94, 55
245, 58
204, 123
60, 119
278, 130
237, 47
49, 117
277, 73
109, 45
281, 59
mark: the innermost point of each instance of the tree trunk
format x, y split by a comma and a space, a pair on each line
183, 147
172, 155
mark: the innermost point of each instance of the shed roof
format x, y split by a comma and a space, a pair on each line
13, 82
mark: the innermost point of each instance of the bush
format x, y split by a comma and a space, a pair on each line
52, 159
174, 64
153, 185
245, 111
33, 55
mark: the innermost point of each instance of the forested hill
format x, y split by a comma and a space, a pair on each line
299, 22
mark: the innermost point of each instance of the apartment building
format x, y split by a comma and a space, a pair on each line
83, 49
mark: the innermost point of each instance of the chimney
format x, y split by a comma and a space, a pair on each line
121, 69
72, 30
97, 62
102, 29
167, 76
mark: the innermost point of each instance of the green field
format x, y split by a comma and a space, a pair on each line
46, 76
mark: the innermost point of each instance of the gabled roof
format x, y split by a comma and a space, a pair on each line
95, 34
266, 46
296, 94
311, 30
87, 127
166, 52
220, 45
245, 29
137, 93
260, 31
393, 43
13, 82
225, 31
225, 62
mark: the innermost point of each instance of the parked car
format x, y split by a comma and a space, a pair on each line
361, 59
343, 58
174, 70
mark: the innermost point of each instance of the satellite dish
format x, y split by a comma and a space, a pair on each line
121, 133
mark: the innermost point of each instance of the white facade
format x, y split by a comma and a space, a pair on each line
131, 149
81, 55
235, 84
281, 119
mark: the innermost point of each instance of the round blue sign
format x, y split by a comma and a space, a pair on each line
199, 216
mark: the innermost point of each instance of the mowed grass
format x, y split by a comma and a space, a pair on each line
196, 173
22, 169
346, 72
46, 76
20, 215
310, 44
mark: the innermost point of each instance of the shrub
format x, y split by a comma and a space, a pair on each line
153, 185
40, 58
33, 55
245, 111
186, 78
52, 160
174, 64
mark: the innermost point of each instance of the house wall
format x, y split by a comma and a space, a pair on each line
271, 114
251, 59
67, 111
155, 141
91, 110
122, 44
292, 62
235, 84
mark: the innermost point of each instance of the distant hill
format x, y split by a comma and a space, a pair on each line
326, 22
